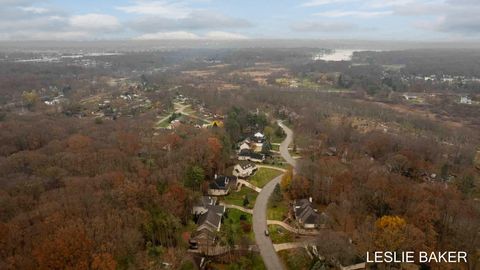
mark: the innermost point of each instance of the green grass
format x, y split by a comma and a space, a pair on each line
277, 161
236, 198
278, 211
279, 235
297, 259
263, 176
307, 83
275, 147
237, 225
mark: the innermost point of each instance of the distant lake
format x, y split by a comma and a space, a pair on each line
336, 55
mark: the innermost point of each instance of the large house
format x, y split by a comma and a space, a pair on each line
220, 186
203, 205
209, 223
410, 97
244, 170
212, 219
249, 155
244, 146
257, 141
465, 100
305, 214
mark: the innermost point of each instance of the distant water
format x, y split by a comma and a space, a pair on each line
336, 55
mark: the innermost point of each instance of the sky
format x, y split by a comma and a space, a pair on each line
402, 20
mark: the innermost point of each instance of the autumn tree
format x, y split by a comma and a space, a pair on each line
69, 248
30, 99
286, 180
300, 187
394, 234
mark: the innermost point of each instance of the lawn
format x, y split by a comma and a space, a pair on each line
275, 147
277, 161
275, 137
278, 211
237, 198
263, 176
279, 235
237, 225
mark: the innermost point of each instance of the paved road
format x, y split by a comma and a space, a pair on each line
243, 209
293, 245
180, 109
292, 229
249, 185
265, 245
285, 144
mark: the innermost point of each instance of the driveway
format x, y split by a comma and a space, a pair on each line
265, 245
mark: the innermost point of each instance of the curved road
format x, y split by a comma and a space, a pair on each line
265, 245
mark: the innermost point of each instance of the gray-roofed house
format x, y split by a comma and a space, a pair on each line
221, 185
249, 155
305, 214
208, 223
203, 204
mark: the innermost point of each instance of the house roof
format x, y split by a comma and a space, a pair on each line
203, 234
258, 139
304, 211
245, 152
259, 135
257, 155
210, 221
246, 165
250, 153
222, 182
217, 209
206, 201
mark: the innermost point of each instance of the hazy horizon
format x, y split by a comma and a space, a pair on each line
142, 45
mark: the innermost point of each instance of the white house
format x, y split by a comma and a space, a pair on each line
244, 170
259, 135
244, 146
409, 97
465, 100
257, 141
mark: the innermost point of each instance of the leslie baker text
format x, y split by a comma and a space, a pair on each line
416, 257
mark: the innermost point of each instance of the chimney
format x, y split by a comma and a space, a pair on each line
215, 176
310, 200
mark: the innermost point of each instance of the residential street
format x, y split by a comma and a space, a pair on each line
265, 245
180, 109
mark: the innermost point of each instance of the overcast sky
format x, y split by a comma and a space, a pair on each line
429, 20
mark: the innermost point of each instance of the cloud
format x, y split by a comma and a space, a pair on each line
95, 22
316, 3
35, 10
353, 13
324, 27
46, 35
196, 20
224, 35
26, 22
214, 35
165, 9
459, 17
168, 35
